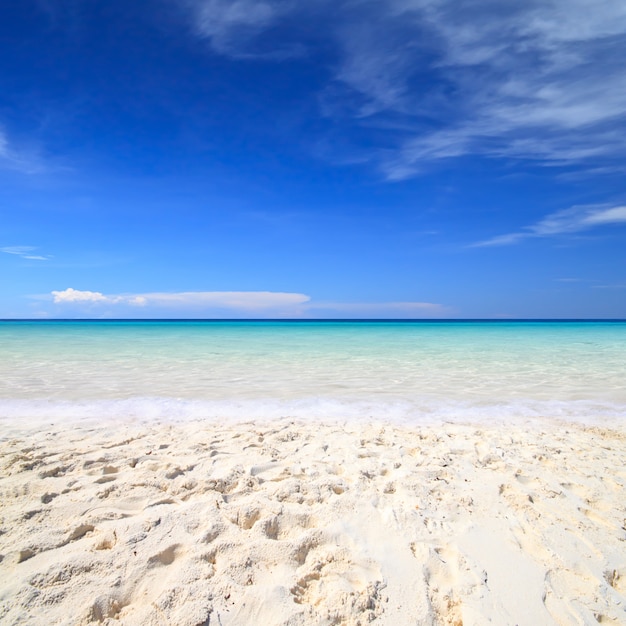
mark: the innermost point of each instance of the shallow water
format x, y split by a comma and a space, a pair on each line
400, 370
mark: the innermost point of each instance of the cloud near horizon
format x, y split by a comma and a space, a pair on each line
244, 300
261, 302
402, 309
572, 220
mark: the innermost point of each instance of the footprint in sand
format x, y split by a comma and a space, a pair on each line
56, 471
616, 578
165, 557
80, 531
333, 585
108, 606
446, 573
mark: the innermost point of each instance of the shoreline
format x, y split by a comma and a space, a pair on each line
295, 522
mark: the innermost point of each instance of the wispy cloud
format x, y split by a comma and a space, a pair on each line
532, 81
19, 160
25, 252
616, 286
524, 80
572, 220
380, 309
235, 28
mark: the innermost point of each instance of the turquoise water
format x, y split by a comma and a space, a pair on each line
404, 370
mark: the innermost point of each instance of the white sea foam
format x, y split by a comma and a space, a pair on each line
37, 413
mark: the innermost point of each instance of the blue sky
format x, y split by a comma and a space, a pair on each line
271, 158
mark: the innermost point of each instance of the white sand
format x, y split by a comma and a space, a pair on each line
294, 523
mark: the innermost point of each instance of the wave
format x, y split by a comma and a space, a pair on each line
162, 409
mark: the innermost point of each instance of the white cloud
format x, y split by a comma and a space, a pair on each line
572, 220
18, 250
374, 66
533, 81
74, 295
527, 80
380, 309
233, 27
243, 300
236, 300
25, 252
225, 23
244, 303
606, 216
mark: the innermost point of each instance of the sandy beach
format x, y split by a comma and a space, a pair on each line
288, 522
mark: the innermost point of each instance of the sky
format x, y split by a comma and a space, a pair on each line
282, 159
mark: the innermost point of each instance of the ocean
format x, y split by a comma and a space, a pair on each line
384, 370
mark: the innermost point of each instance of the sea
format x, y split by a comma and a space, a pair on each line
402, 371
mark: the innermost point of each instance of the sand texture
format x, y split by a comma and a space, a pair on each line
293, 523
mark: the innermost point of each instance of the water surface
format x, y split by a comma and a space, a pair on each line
407, 370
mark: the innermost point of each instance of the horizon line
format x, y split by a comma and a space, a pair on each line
322, 319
